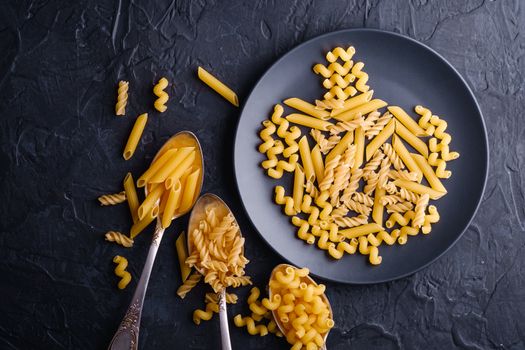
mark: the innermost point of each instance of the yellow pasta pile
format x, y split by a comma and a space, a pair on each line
299, 304
355, 165
217, 251
172, 181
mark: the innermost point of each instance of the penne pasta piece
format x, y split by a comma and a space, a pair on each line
405, 156
307, 108
182, 254
298, 187
412, 139
306, 157
341, 146
131, 196
362, 109
420, 189
157, 164
359, 148
172, 204
134, 136
380, 139
171, 164
407, 121
354, 102
378, 208
428, 172
151, 200
179, 170
308, 121
218, 86
189, 191
362, 230
317, 160
140, 225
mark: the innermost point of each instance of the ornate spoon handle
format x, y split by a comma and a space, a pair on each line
127, 335
223, 315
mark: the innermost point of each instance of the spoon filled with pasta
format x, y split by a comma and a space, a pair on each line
216, 251
172, 185
299, 307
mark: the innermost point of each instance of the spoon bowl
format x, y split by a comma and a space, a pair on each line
197, 215
307, 279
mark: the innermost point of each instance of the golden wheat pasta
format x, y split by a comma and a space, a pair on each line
151, 200
341, 146
112, 199
360, 148
419, 189
189, 192
440, 165
405, 156
266, 136
362, 77
374, 257
170, 164
298, 187
412, 139
391, 199
397, 218
431, 218
338, 80
307, 108
406, 120
155, 167
122, 97
419, 210
158, 90
329, 104
340, 93
172, 204
353, 185
119, 238
370, 120
218, 86
424, 121
363, 198
306, 157
347, 126
354, 102
317, 162
362, 230
179, 170
428, 172
134, 136
308, 121
389, 151
339, 52
293, 133
344, 221
140, 225
373, 164
399, 207
371, 183
188, 284
380, 237
332, 68
120, 271
182, 255
403, 174
131, 196
378, 208
362, 110
328, 176
205, 315
380, 139
375, 128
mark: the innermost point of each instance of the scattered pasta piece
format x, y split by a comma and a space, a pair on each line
120, 271
122, 98
135, 135
112, 199
119, 238
158, 90
218, 86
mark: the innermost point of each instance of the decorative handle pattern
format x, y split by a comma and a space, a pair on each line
223, 315
127, 335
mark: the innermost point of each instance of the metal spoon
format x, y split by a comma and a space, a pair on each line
127, 335
197, 214
307, 279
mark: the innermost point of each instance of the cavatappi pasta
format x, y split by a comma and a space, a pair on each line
162, 96
364, 172
120, 271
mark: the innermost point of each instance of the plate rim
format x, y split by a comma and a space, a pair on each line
485, 141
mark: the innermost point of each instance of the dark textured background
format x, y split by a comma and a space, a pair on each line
61, 146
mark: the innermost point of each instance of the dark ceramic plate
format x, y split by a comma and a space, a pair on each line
402, 72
